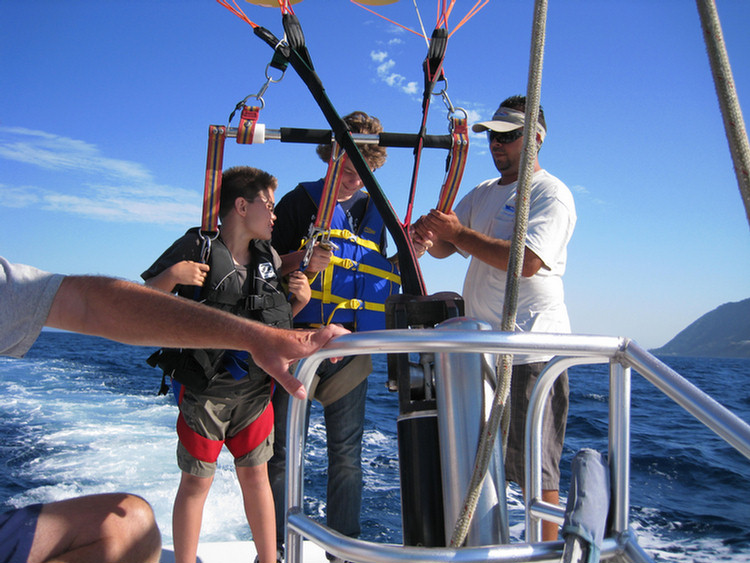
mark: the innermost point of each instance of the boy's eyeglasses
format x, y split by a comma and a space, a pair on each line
505, 137
269, 205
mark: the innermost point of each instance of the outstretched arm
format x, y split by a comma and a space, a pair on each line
134, 314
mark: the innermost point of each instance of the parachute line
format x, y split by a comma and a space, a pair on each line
444, 11
237, 11
470, 14
387, 19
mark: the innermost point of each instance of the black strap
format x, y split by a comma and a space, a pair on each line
411, 276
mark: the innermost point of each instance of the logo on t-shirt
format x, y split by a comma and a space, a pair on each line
265, 271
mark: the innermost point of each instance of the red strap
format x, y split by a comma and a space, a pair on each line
199, 447
246, 128
456, 164
252, 436
331, 186
245, 441
212, 191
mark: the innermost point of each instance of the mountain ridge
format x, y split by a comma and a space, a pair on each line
721, 333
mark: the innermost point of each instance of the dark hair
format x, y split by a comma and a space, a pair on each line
519, 103
360, 122
242, 181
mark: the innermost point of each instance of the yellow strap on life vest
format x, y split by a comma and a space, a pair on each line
350, 264
342, 303
351, 237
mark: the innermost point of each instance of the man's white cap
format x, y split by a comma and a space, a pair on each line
506, 119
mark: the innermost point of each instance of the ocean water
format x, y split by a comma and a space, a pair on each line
81, 415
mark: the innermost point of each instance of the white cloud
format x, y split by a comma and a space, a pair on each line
411, 88
107, 189
392, 79
19, 197
585, 193
62, 153
378, 56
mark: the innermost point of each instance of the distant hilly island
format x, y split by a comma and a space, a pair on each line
721, 333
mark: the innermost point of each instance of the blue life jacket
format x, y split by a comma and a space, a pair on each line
353, 288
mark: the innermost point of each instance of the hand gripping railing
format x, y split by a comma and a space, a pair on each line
569, 350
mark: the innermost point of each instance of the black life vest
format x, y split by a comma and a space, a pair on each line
265, 300
262, 299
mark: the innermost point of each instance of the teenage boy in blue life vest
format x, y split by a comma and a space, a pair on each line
241, 276
356, 269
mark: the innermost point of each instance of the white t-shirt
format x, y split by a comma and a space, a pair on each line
26, 296
490, 209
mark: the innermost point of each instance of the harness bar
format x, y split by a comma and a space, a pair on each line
322, 136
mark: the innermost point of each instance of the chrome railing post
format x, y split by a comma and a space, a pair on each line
619, 444
536, 508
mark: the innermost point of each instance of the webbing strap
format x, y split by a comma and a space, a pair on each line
433, 72
350, 236
349, 264
411, 275
455, 165
248, 120
216, 136
331, 185
342, 303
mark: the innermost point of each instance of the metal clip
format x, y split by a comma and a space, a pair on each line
259, 96
320, 236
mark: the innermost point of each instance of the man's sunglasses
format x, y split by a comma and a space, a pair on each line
506, 137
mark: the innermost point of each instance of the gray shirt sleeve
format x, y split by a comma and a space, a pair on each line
26, 296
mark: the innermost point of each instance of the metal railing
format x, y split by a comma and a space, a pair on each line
569, 350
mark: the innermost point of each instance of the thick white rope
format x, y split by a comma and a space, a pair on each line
515, 266
728, 102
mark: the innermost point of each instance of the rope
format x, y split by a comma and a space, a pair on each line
728, 102
515, 265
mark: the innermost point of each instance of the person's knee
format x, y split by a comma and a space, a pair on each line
142, 539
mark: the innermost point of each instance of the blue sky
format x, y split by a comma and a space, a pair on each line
104, 110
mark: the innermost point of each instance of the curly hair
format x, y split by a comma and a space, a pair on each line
360, 122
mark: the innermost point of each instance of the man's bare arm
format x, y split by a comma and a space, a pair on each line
137, 315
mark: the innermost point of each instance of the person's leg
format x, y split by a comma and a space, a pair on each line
277, 464
553, 434
187, 516
344, 429
116, 528
550, 529
259, 509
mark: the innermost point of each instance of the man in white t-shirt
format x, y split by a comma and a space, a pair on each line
482, 227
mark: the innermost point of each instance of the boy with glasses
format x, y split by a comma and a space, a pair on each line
231, 403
